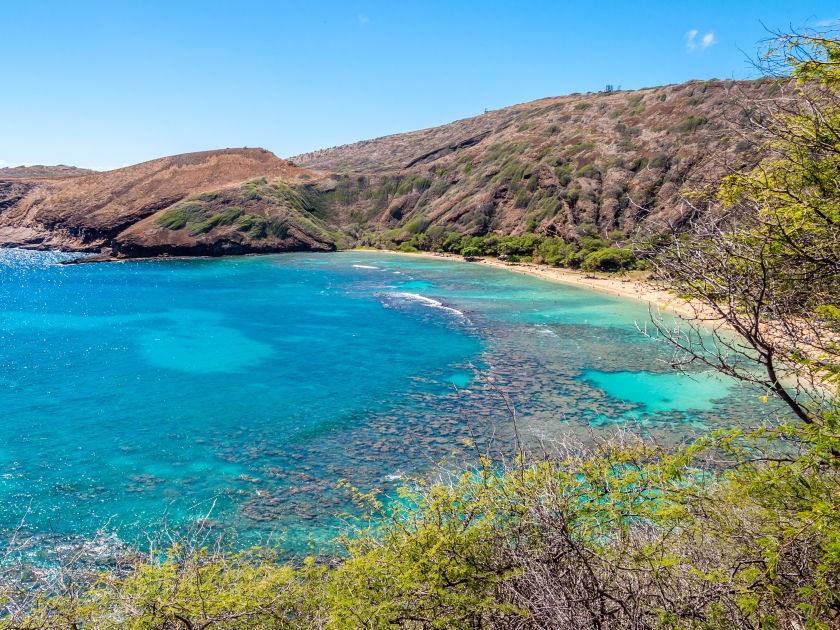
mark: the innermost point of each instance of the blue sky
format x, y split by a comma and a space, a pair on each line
104, 84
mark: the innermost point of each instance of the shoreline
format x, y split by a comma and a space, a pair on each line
632, 288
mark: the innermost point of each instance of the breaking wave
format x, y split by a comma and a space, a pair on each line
420, 299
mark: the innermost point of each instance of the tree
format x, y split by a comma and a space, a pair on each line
471, 252
761, 255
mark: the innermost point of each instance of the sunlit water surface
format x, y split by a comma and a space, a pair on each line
243, 389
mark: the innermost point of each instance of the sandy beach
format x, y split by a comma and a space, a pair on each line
634, 286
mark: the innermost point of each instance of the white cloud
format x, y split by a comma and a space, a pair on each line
691, 43
363, 20
3, 164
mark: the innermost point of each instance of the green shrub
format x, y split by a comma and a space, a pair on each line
228, 217
581, 147
254, 226
660, 160
608, 259
590, 171
180, 215
172, 219
203, 196
692, 124
531, 224
279, 228
416, 225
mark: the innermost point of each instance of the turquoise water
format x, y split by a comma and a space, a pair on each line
241, 390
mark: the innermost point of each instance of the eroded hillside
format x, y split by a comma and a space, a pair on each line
115, 212
39, 170
584, 166
605, 160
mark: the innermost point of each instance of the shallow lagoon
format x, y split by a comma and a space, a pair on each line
253, 385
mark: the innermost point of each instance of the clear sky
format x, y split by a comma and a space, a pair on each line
104, 84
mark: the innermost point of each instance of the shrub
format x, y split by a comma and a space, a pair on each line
580, 147
254, 226
172, 219
660, 160
590, 171
279, 228
608, 259
203, 197
180, 215
417, 225
228, 217
692, 124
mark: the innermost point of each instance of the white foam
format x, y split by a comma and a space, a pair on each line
425, 301
365, 267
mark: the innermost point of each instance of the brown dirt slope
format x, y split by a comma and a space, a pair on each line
95, 211
39, 170
606, 160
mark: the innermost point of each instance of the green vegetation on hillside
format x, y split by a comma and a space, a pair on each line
258, 209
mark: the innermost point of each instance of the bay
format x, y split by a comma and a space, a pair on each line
240, 391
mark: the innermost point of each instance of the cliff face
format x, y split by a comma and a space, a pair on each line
106, 211
594, 163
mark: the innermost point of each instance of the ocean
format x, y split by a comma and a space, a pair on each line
241, 391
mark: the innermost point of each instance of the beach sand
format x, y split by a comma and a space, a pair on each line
634, 286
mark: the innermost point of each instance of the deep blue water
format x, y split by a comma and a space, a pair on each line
253, 385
